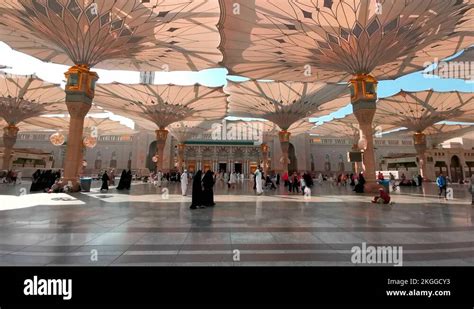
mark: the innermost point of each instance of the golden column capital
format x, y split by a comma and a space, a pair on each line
419, 140
80, 81
10, 131
363, 87
161, 135
284, 136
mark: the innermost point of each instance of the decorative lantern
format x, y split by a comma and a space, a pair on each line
90, 142
155, 159
57, 139
84, 163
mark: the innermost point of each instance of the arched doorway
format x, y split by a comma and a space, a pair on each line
293, 166
151, 152
456, 169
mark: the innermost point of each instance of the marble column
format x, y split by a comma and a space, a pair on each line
355, 168
161, 136
181, 149
264, 149
363, 98
419, 140
73, 159
79, 94
284, 137
10, 134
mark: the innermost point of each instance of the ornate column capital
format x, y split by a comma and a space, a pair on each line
80, 86
161, 135
284, 136
363, 88
10, 134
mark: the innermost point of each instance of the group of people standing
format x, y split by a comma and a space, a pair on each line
203, 192
108, 179
297, 182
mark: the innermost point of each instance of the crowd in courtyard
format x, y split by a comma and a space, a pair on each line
202, 183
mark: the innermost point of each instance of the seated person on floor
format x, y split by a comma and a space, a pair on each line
382, 198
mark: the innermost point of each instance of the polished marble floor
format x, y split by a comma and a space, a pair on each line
154, 226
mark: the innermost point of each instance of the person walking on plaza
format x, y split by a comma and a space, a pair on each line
128, 184
159, 176
359, 187
295, 182
232, 180
441, 183
123, 179
197, 195
184, 182
105, 182
19, 174
303, 183
112, 177
320, 178
258, 181
420, 180
208, 192
285, 179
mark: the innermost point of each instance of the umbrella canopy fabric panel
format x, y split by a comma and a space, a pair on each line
185, 130
162, 104
104, 126
285, 103
349, 127
438, 133
122, 34
23, 97
420, 110
320, 40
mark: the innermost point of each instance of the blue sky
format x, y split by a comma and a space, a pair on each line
24, 64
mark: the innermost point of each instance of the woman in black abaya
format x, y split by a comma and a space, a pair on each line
129, 180
105, 182
122, 180
359, 188
208, 193
197, 195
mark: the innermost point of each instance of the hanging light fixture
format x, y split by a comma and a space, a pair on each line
90, 141
57, 139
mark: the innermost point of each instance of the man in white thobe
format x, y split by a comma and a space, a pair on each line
258, 180
184, 182
159, 175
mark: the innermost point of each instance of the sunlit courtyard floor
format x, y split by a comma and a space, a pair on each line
154, 226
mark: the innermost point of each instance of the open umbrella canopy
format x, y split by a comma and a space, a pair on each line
185, 130
162, 104
23, 97
285, 103
348, 127
461, 67
103, 126
120, 34
324, 40
419, 110
438, 133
